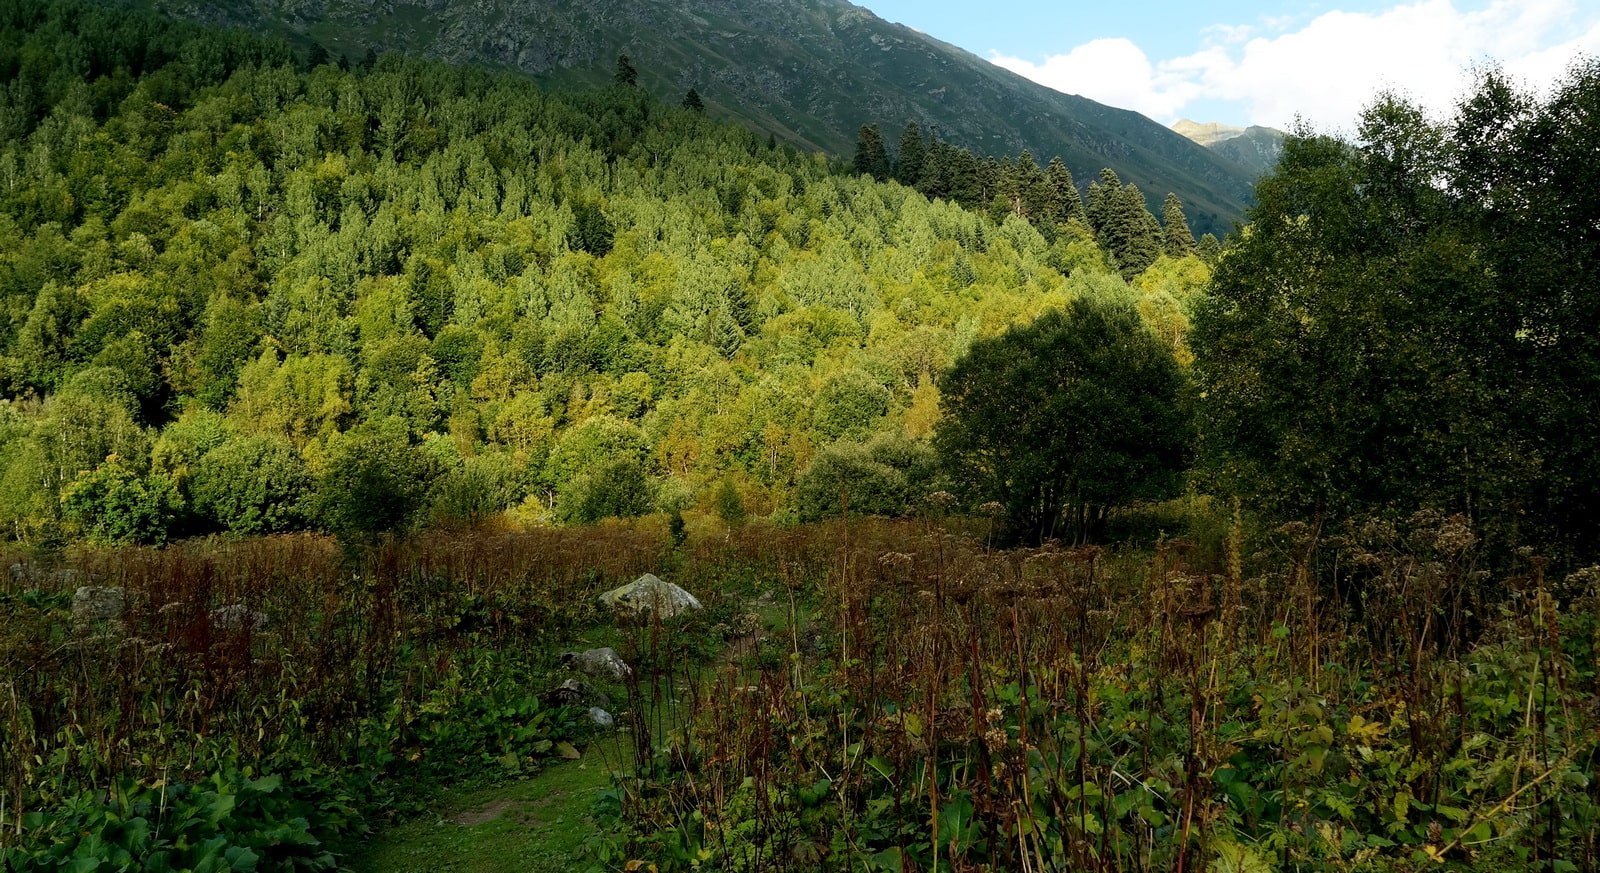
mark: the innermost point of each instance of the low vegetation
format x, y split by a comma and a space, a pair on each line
1210, 706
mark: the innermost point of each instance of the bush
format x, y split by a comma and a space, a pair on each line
114, 504
252, 485
882, 477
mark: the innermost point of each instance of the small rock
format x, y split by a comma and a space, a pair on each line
601, 717
601, 663
94, 603
648, 592
236, 615
575, 693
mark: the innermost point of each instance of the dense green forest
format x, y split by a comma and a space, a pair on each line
245, 291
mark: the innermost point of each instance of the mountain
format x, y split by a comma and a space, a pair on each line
1254, 148
810, 72
1206, 133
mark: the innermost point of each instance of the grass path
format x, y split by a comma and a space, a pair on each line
533, 825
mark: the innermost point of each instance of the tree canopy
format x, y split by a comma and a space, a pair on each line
1409, 319
1064, 419
286, 295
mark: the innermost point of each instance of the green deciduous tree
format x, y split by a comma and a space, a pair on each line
1064, 419
374, 482
1408, 320
848, 404
884, 476
252, 485
115, 504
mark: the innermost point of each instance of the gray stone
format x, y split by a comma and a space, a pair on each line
33, 575
601, 663
235, 616
93, 603
576, 693
650, 593
601, 717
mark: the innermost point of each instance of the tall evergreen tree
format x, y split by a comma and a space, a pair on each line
965, 178
1123, 224
872, 158
626, 75
1032, 195
1063, 203
1175, 228
934, 180
692, 101
913, 155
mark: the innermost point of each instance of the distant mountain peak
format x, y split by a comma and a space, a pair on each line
1206, 133
1254, 148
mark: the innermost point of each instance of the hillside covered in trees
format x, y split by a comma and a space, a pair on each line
809, 72
247, 293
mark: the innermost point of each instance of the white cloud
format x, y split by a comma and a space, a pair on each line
1328, 69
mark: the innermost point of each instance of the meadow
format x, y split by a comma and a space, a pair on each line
866, 696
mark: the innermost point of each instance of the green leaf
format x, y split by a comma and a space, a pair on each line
267, 784
1237, 858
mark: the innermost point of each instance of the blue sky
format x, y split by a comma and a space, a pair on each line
1264, 61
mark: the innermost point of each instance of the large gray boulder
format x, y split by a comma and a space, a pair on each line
92, 603
600, 663
649, 593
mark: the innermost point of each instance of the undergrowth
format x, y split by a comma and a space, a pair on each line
1370, 700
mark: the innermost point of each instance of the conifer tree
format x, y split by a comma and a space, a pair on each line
1123, 224
1063, 203
913, 155
964, 178
934, 180
1175, 228
872, 158
1032, 189
692, 101
1209, 249
626, 75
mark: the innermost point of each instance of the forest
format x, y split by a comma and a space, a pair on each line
1032, 533
238, 293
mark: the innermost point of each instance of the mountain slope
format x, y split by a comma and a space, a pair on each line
1255, 149
809, 71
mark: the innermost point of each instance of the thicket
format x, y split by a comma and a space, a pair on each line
266, 703
937, 705
244, 295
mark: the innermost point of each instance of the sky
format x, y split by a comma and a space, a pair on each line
1263, 62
